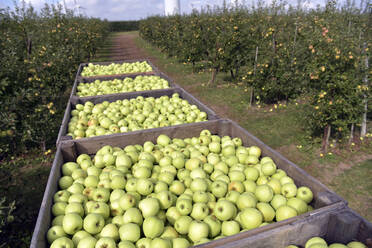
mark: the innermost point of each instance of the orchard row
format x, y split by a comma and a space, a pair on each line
281, 53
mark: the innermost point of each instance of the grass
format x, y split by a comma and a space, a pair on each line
23, 180
280, 127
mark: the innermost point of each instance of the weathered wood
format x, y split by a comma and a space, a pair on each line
129, 95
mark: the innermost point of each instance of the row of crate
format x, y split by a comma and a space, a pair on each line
331, 218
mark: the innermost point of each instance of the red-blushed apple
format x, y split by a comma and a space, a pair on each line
250, 218
198, 230
130, 232
285, 212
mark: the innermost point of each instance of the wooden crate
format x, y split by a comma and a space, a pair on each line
325, 201
62, 135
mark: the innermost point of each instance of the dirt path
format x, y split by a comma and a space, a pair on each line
124, 47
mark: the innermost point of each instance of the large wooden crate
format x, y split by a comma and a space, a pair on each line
79, 80
325, 201
106, 77
335, 226
62, 135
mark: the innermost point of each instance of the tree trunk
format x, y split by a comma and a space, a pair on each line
351, 134
363, 129
232, 74
326, 135
254, 73
214, 74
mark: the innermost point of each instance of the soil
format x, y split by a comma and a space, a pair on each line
125, 48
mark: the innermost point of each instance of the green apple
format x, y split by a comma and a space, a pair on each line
172, 214
87, 242
198, 230
264, 193
246, 200
337, 245
289, 190
105, 242
143, 243
224, 210
68, 168
182, 224
169, 233
277, 201
110, 231
267, 211
250, 218
130, 232
214, 225
200, 210
315, 240
133, 215
305, 194
62, 242
93, 223
180, 243
74, 207
231, 227
65, 182
127, 201
161, 243
149, 207
298, 204
219, 188
54, 233
184, 206
61, 196
285, 212
356, 244
72, 223
145, 186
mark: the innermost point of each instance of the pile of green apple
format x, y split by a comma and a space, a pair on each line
139, 83
174, 193
318, 242
134, 114
112, 69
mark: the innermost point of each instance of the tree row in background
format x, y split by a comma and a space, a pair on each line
282, 53
39, 56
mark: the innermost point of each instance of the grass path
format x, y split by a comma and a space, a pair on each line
346, 171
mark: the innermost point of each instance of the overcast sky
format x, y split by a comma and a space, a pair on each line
136, 9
